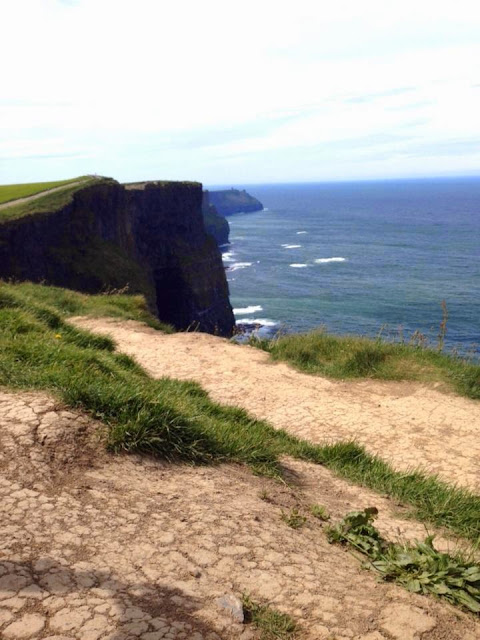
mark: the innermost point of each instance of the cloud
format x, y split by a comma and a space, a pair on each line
180, 89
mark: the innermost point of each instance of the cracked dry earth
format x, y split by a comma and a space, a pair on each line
94, 546
405, 423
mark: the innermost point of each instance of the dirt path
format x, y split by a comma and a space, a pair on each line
119, 548
36, 196
405, 423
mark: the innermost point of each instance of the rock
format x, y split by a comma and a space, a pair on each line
233, 606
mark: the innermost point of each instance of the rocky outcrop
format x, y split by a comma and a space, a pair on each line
215, 224
149, 237
232, 201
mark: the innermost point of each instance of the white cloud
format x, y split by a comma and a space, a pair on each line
118, 83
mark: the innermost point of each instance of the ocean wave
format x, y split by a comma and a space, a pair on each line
265, 209
299, 233
250, 309
265, 322
239, 265
298, 265
323, 260
228, 256
291, 246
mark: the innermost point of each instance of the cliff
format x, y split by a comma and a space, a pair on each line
232, 201
149, 237
215, 224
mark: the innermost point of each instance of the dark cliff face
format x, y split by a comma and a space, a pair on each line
215, 224
150, 238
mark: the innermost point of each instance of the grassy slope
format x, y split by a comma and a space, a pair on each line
49, 202
9, 192
175, 419
344, 357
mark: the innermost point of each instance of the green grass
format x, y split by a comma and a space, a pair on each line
347, 357
420, 568
272, 624
48, 202
9, 192
177, 420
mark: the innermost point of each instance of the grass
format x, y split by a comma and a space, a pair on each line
272, 624
349, 357
9, 192
49, 202
320, 512
177, 420
420, 568
294, 519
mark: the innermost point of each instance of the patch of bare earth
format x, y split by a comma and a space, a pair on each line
405, 423
100, 547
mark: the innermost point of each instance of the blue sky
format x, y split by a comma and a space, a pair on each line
231, 93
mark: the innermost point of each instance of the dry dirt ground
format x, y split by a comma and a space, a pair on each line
405, 423
94, 546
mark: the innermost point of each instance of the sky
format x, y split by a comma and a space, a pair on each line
239, 93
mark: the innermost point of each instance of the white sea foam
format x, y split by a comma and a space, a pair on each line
265, 322
239, 265
265, 209
323, 260
299, 233
298, 265
228, 256
291, 246
253, 308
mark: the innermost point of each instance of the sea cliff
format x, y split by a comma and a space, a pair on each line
230, 201
149, 237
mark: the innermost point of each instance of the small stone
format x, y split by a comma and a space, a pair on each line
233, 606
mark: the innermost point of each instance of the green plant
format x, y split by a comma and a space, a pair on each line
420, 568
320, 512
272, 624
294, 519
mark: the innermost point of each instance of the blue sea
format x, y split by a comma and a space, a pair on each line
360, 258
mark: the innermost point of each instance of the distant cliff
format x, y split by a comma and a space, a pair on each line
232, 201
148, 236
215, 224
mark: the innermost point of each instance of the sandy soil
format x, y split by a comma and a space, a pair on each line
100, 547
405, 423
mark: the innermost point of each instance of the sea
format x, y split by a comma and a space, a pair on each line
365, 258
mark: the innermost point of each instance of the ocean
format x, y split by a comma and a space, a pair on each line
360, 258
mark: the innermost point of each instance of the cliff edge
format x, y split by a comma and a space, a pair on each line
149, 237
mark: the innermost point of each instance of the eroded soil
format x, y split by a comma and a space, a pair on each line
94, 546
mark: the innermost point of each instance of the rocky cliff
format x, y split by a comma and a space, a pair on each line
215, 224
231, 201
149, 237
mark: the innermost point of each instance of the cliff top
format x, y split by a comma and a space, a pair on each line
19, 200
160, 183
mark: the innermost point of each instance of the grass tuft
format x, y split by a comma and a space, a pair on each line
347, 357
272, 624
